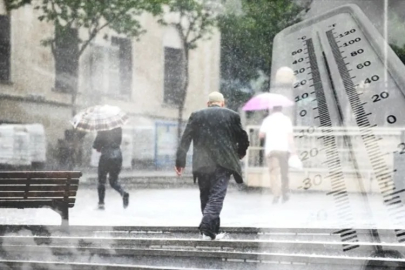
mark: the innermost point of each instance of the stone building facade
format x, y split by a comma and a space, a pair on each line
113, 70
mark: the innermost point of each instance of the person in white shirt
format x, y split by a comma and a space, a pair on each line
277, 129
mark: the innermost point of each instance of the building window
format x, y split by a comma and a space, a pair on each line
66, 60
124, 64
173, 75
4, 48
111, 68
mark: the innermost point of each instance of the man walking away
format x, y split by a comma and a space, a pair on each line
218, 143
108, 143
278, 131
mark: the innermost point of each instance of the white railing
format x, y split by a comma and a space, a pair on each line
307, 138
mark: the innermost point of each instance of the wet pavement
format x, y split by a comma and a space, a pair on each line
180, 207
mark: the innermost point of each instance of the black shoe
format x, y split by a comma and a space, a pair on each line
275, 200
125, 199
100, 206
207, 235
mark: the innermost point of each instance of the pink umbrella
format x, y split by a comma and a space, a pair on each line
265, 101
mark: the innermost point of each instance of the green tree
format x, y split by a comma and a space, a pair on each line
400, 51
194, 20
247, 40
120, 15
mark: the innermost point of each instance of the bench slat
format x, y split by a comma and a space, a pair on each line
22, 188
37, 181
37, 194
40, 174
3, 200
29, 204
37, 189
37, 205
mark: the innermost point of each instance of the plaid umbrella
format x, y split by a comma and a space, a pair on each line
100, 117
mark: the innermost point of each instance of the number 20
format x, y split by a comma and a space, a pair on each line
298, 84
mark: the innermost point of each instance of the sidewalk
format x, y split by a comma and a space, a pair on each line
181, 207
143, 178
149, 179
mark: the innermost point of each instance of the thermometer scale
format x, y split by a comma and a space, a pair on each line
347, 81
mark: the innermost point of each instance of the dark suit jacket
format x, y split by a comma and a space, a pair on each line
218, 139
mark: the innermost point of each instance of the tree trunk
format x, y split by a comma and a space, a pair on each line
181, 107
179, 123
184, 94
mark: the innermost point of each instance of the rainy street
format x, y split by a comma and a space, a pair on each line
162, 224
202, 134
176, 206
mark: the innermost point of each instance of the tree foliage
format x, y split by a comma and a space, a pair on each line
247, 37
119, 15
194, 19
400, 52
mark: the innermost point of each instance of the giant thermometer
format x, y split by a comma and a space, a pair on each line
348, 79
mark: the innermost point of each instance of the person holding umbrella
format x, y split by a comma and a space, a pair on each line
107, 121
277, 129
108, 143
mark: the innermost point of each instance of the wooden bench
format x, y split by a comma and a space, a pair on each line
38, 189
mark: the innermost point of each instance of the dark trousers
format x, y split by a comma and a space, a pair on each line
213, 186
278, 163
112, 167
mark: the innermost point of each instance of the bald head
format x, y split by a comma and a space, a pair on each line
216, 98
285, 77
